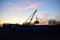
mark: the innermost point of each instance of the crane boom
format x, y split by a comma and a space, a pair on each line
31, 17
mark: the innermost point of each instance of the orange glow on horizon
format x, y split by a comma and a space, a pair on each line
41, 21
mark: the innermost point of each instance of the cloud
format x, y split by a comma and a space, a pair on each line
11, 4
33, 5
16, 7
23, 5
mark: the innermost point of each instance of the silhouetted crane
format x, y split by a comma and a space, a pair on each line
52, 21
26, 23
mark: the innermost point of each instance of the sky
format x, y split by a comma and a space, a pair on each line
17, 11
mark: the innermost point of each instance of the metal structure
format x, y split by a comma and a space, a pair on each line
52, 22
26, 23
36, 22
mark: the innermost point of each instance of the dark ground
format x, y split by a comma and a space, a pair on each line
51, 33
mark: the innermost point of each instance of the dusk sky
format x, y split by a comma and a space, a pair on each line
17, 11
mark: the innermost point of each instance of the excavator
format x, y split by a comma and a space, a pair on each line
31, 18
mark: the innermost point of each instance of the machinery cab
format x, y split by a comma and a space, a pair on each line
36, 22
27, 23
